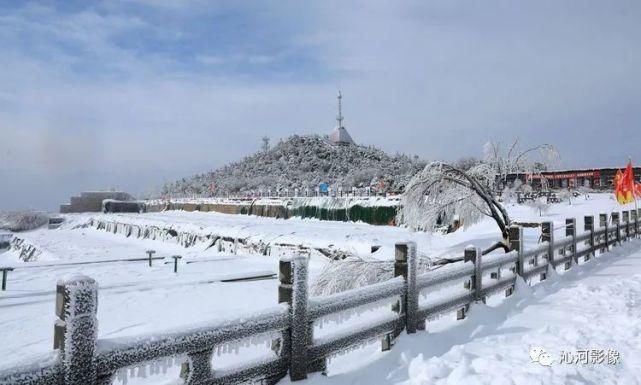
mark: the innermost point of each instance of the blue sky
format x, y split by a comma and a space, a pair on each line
129, 94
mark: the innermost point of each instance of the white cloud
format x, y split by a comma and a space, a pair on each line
210, 59
261, 59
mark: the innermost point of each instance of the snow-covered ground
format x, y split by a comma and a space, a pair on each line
135, 298
353, 238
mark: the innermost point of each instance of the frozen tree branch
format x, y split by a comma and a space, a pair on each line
440, 191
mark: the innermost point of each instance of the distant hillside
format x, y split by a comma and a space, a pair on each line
304, 161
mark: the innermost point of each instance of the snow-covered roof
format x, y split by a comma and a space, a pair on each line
340, 136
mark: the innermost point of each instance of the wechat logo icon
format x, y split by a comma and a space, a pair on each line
538, 354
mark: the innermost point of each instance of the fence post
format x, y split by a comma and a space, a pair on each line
301, 333
635, 220
516, 243
5, 271
411, 320
515, 237
603, 222
293, 290
625, 217
547, 235
617, 223
197, 370
401, 252
283, 345
473, 254
570, 231
76, 328
176, 258
150, 253
588, 225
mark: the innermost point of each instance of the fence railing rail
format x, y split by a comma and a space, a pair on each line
84, 359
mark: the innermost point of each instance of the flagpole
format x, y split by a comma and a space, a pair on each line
634, 195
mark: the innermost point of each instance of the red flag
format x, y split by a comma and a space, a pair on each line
624, 187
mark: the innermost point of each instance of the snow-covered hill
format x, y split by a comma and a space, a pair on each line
304, 162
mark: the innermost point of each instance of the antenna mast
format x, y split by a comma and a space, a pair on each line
339, 118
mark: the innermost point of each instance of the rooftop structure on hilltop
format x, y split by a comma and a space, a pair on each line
339, 135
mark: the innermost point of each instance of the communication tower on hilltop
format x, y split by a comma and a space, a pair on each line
339, 135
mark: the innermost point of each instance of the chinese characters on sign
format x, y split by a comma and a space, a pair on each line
577, 357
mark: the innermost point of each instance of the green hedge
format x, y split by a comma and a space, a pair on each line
380, 215
372, 215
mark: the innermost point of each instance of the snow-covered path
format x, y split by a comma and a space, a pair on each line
596, 306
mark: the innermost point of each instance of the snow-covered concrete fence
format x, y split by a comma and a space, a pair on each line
603, 223
473, 254
293, 291
291, 193
402, 289
588, 226
84, 359
76, 329
617, 224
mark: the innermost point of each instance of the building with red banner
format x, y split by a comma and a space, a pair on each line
597, 178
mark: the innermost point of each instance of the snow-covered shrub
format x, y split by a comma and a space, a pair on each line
509, 194
539, 205
526, 188
23, 220
565, 196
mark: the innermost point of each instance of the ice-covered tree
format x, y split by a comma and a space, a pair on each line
513, 159
565, 195
539, 204
467, 162
440, 191
23, 220
434, 195
352, 272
